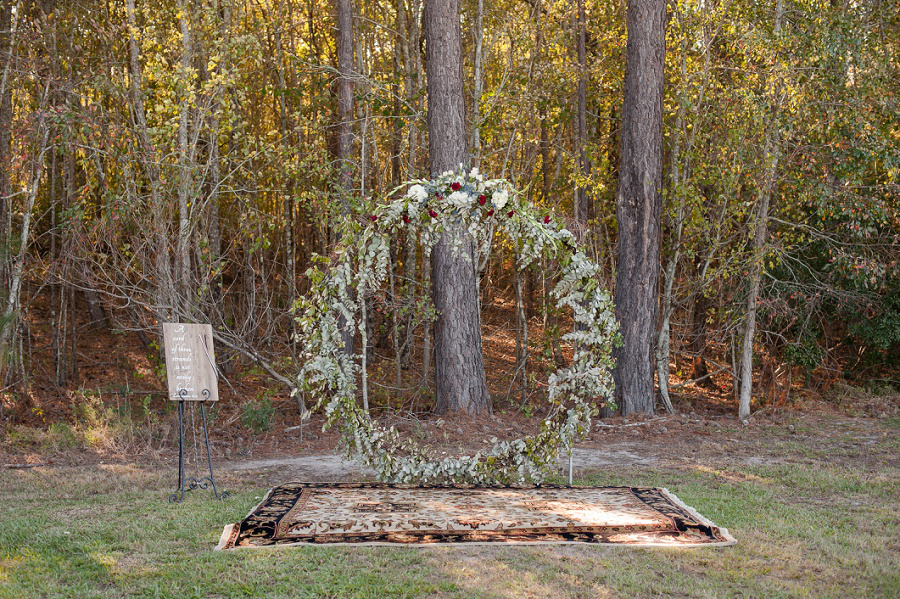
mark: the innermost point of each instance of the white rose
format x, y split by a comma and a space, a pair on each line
417, 193
500, 198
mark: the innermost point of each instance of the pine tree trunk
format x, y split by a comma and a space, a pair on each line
459, 364
638, 206
345, 125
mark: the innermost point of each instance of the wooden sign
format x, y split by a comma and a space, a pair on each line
190, 362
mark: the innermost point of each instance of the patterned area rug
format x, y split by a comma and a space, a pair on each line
393, 514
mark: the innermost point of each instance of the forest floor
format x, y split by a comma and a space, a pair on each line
809, 487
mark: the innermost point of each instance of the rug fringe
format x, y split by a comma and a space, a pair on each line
730, 540
226, 533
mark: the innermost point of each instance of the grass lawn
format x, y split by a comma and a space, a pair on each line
808, 524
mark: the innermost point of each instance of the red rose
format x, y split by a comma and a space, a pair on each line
373, 218
547, 220
511, 212
455, 186
482, 199
432, 213
405, 218
490, 212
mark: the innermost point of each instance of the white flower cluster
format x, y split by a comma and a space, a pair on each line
417, 193
460, 199
329, 375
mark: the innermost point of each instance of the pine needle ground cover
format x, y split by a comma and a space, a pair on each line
388, 514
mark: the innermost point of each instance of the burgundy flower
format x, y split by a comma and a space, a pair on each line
373, 218
482, 199
432, 213
455, 186
490, 212
405, 218
511, 212
547, 220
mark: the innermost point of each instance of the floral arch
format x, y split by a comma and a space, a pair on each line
486, 208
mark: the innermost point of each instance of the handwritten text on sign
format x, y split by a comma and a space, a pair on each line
190, 362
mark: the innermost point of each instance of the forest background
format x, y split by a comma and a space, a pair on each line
181, 160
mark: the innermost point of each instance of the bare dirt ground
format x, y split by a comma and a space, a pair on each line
677, 442
114, 410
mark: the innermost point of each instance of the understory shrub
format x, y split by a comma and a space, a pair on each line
259, 414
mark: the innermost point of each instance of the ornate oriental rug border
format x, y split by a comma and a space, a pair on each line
396, 514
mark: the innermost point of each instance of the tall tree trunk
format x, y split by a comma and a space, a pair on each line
479, 83
345, 99
770, 156
544, 144
287, 131
638, 205
345, 125
676, 176
759, 242
413, 82
412, 61
164, 301
213, 227
185, 175
10, 313
460, 383
57, 324
699, 369
8, 27
582, 196
664, 339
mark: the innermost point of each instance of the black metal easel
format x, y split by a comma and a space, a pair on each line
193, 483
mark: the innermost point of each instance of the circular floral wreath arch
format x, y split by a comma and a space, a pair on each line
483, 207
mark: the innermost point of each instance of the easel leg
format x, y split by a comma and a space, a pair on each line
194, 483
178, 495
209, 454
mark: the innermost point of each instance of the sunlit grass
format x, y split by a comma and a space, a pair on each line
818, 529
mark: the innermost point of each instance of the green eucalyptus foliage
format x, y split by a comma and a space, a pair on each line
486, 208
